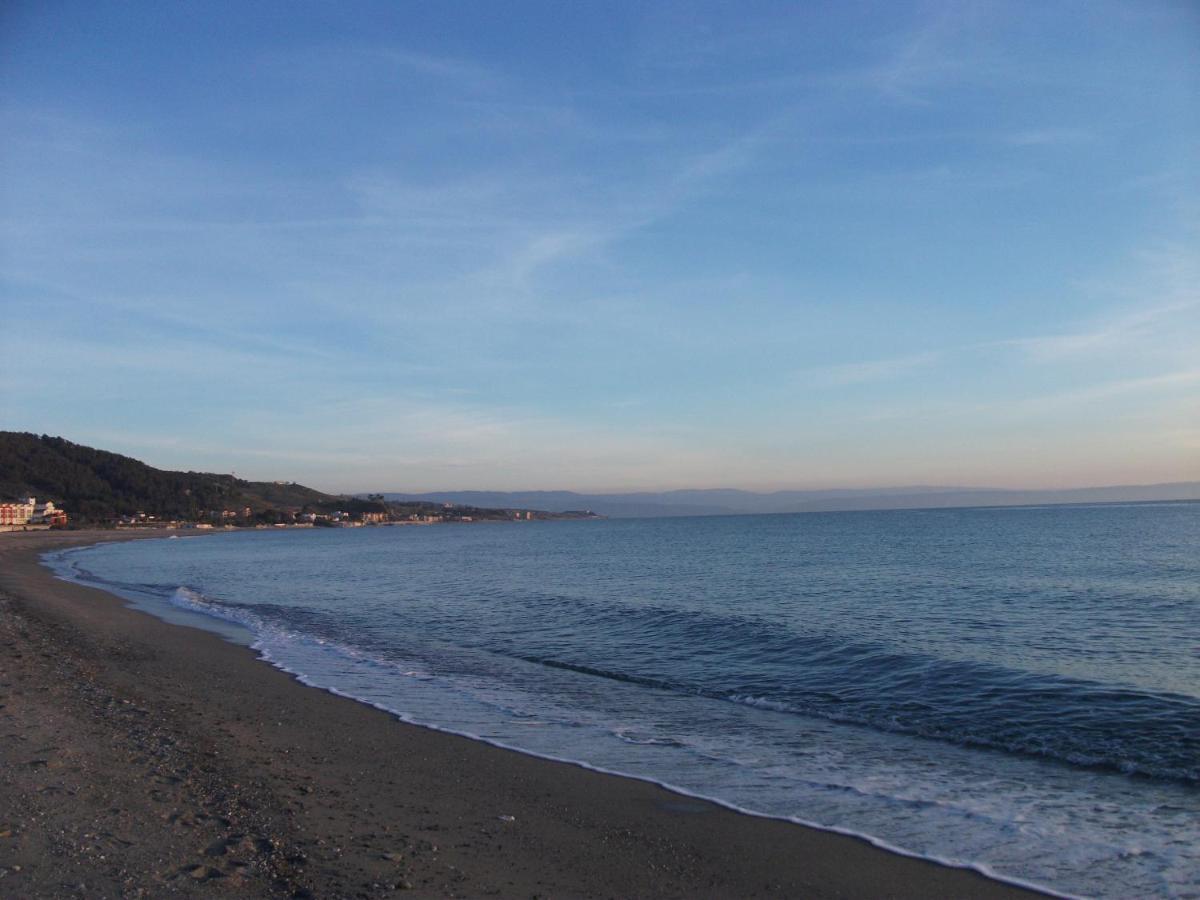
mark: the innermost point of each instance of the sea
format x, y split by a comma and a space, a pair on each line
1013, 690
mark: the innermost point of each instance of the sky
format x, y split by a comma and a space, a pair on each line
607, 246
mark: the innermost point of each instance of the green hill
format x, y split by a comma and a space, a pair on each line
98, 486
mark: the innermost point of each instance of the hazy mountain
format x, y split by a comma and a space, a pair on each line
726, 501
97, 485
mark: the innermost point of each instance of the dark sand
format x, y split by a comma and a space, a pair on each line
142, 759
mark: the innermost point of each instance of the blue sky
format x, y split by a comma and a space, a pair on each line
607, 246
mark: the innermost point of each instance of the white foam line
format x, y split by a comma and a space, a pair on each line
264, 654
980, 868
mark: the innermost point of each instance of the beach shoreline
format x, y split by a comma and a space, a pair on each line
144, 759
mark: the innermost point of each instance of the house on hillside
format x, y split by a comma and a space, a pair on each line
49, 514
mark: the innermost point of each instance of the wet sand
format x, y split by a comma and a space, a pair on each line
144, 759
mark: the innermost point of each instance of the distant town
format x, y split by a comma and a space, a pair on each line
27, 514
300, 518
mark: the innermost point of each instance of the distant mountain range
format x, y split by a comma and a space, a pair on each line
726, 501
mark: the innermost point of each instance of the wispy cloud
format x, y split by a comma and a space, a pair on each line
923, 57
529, 223
1021, 407
1046, 137
1105, 336
731, 156
1165, 382
463, 74
321, 62
875, 370
1159, 290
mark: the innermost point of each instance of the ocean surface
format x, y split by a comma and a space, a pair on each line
1016, 690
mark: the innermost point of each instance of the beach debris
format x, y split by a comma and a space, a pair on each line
507, 818
204, 873
394, 857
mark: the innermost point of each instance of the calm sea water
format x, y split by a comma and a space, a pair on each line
1013, 689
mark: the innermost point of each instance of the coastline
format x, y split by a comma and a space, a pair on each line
143, 758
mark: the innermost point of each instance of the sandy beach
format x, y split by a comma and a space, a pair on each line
144, 759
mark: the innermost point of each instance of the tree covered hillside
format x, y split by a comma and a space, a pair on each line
95, 485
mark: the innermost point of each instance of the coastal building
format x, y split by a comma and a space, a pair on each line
27, 512
18, 513
49, 514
